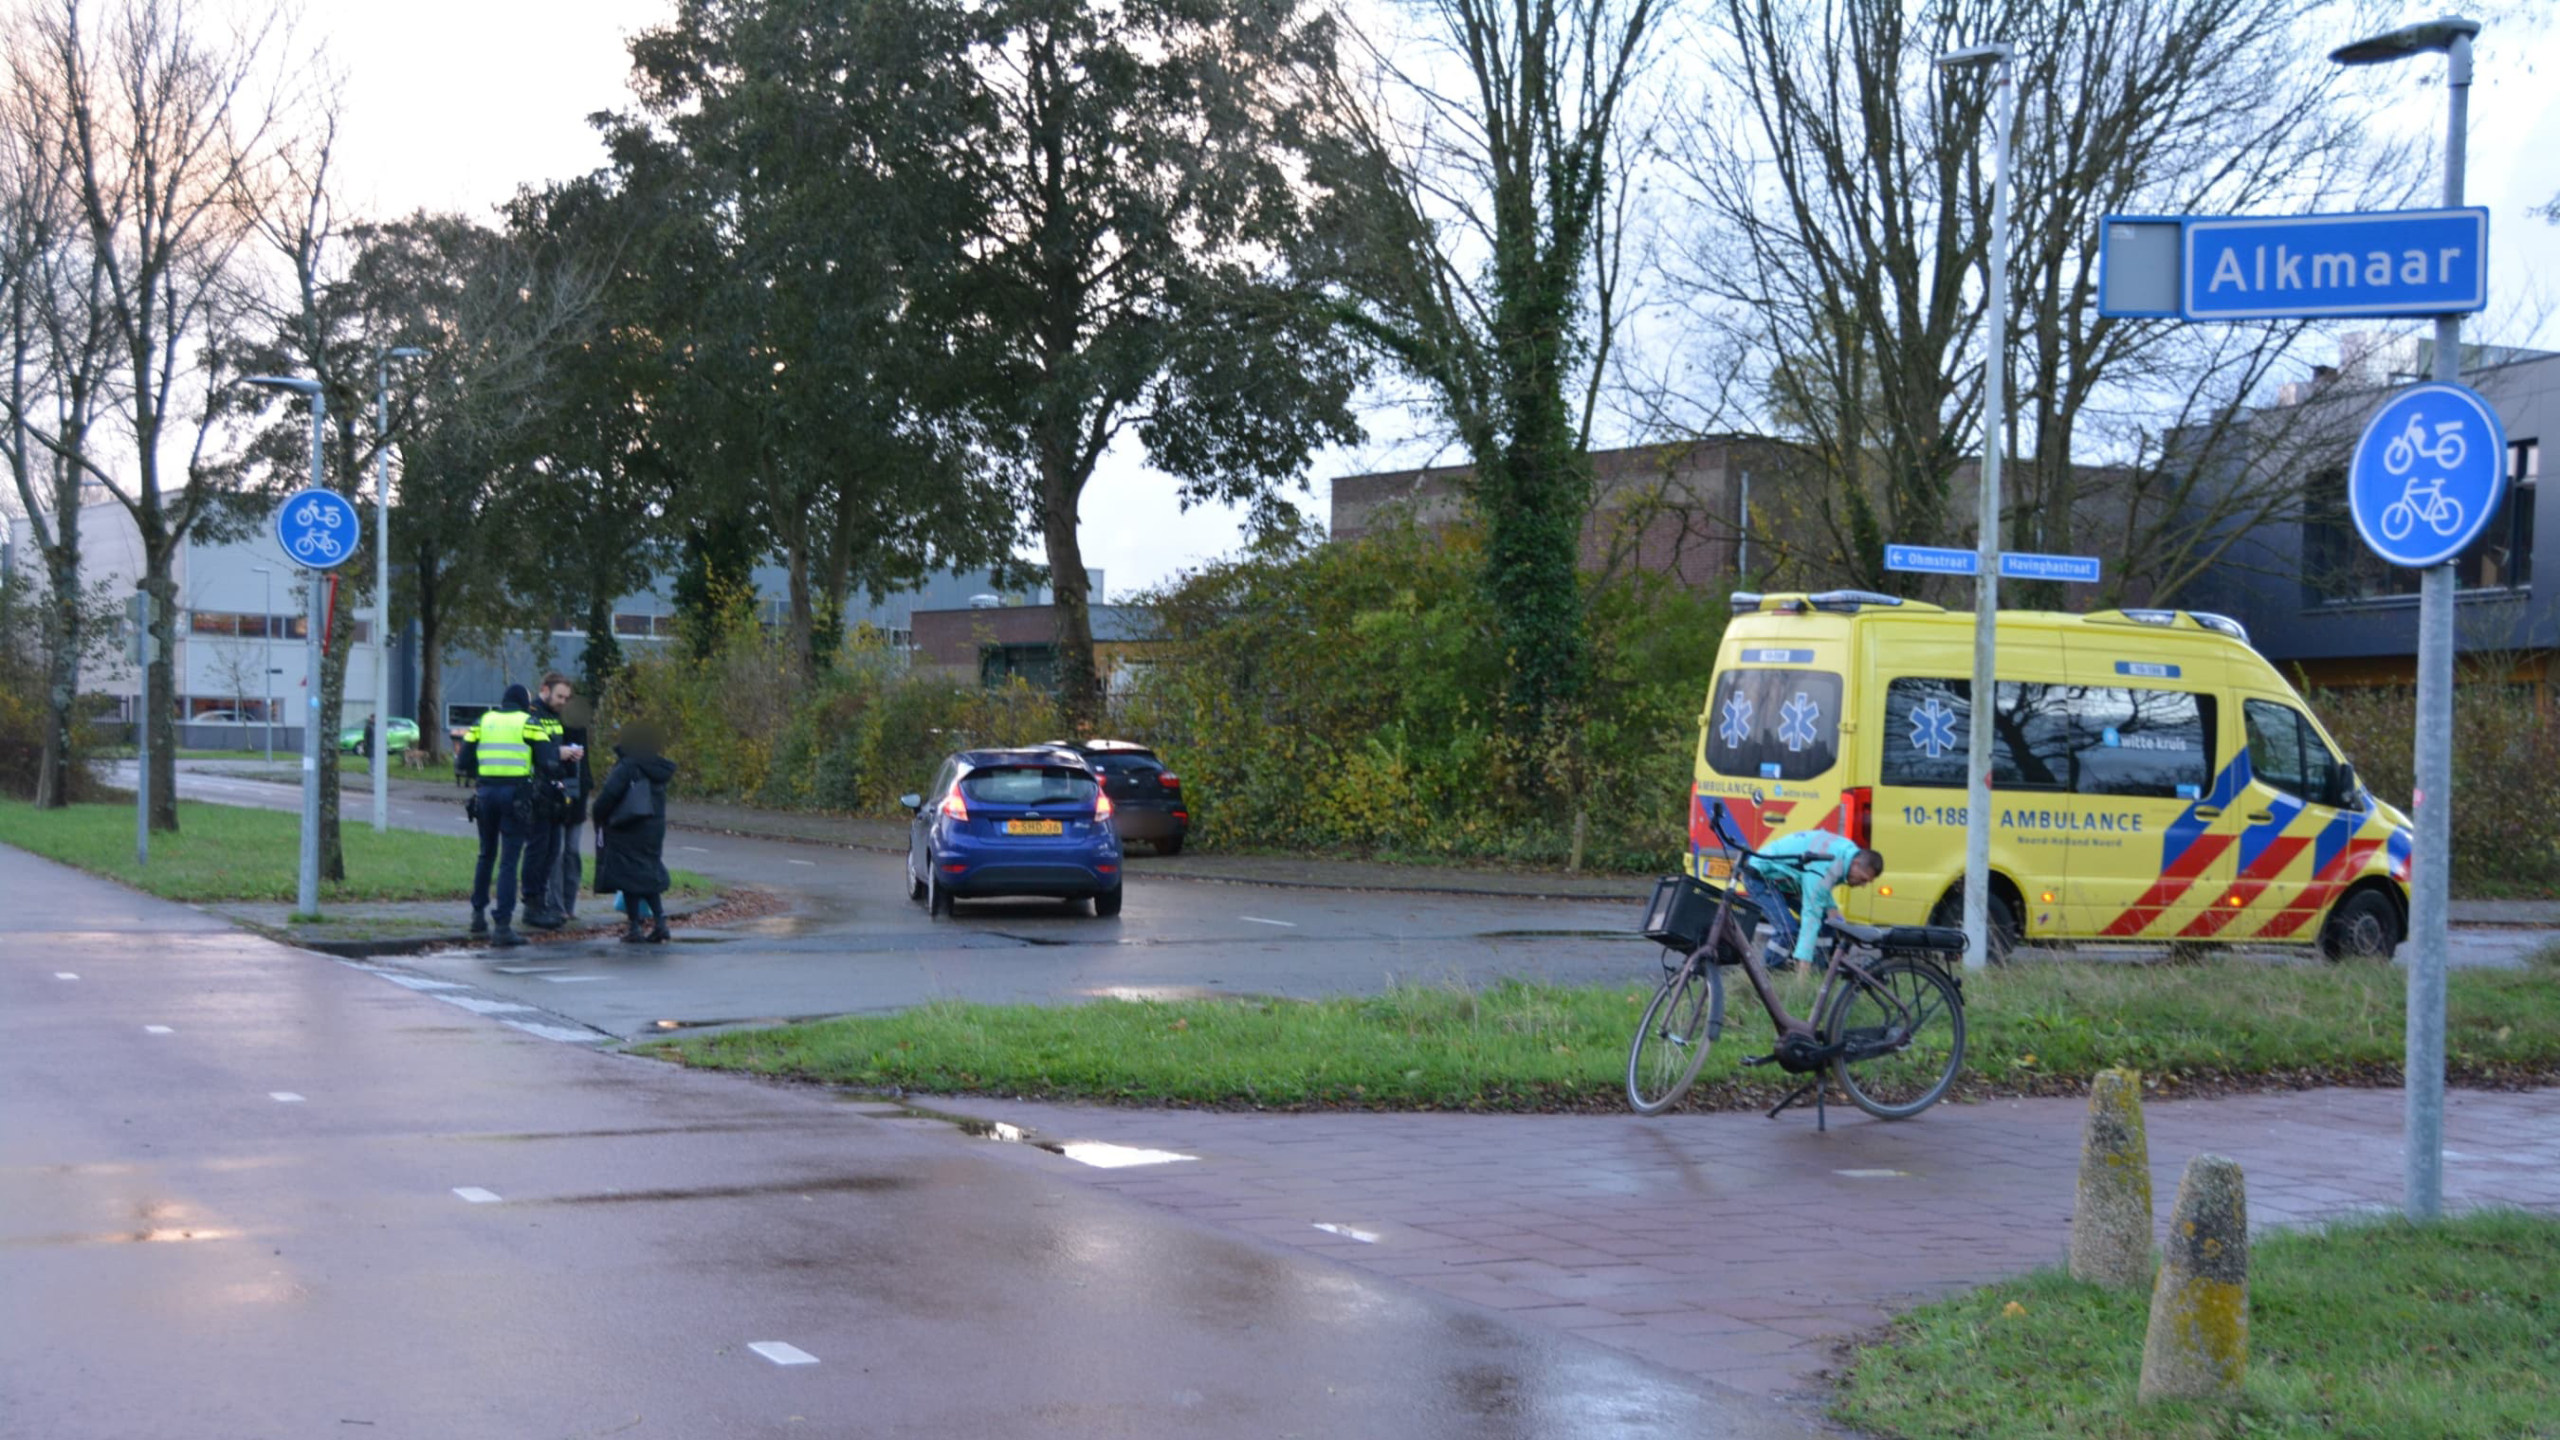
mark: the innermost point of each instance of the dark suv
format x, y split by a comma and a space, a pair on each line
1146, 798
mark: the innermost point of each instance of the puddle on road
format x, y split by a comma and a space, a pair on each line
832, 1185
1102, 1155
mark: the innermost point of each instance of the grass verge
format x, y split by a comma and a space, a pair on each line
2043, 1028
2380, 1329
225, 852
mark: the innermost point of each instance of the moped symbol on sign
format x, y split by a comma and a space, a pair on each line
317, 529
2428, 475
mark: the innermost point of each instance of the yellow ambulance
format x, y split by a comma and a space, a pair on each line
2153, 777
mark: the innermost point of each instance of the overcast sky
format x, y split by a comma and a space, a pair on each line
453, 106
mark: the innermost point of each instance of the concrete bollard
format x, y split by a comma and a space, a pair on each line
2197, 1346
2111, 1219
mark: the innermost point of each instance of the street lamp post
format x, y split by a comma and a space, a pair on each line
1986, 582
382, 582
307, 879
267, 656
2431, 868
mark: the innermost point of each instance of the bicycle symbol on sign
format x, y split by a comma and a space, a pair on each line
2423, 501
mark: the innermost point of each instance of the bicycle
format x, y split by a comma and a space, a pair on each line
2441, 511
1892, 1034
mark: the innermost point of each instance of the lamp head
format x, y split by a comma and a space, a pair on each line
1995, 52
282, 382
2408, 40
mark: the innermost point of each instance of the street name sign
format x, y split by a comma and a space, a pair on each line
2280, 267
317, 529
2076, 569
1932, 560
2428, 474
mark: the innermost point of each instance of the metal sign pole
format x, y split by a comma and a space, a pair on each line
140, 608
1986, 584
2431, 873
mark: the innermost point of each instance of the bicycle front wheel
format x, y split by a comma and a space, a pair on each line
1901, 1030
1671, 1041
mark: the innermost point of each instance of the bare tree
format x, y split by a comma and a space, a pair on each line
1846, 242
167, 129
59, 360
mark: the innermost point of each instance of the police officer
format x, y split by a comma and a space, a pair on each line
508, 750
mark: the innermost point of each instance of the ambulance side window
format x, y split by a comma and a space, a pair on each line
2285, 752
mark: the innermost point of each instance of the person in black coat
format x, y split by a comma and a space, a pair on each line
631, 857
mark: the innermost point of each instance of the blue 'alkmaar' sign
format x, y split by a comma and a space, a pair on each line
2403, 262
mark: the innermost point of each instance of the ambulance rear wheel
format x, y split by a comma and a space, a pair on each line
2365, 926
2006, 933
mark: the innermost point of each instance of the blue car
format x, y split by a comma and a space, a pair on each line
1013, 822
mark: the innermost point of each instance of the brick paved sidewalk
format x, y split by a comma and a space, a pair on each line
1741, 1249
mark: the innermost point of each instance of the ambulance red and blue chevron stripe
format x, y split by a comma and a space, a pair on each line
2153, 777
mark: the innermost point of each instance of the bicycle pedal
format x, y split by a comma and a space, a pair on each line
1769, 1059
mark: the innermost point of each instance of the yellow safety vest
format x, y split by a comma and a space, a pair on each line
504, 740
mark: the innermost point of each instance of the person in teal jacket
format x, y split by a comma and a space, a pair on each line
1798, 881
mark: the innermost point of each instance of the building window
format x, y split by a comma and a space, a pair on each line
643, 627
2338, 568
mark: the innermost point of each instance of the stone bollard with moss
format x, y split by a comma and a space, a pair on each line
2111, 1219
2197, 1347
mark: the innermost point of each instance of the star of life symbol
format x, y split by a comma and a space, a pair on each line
1795, 722
1933, 728
1736, 726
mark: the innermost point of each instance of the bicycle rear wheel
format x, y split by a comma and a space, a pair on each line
1671, 1041
1902, 1031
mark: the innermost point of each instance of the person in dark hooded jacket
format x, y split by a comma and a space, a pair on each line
631, 858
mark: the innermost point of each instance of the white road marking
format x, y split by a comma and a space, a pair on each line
572, 979
694, 849
420, 982
804, 862
1872, 1174
157, 1030
476, 1195
284, 1097
1258, 920
1365, 1237
478, 1006
781, 1353
557, 1032
1113, 1157
530, 969
64, 975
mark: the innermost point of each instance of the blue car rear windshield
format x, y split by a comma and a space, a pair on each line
1027, 784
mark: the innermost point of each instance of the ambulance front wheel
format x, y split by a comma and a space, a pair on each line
2006, 933
2365, 926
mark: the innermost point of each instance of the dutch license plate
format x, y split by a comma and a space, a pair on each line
1034, 827
1720, 869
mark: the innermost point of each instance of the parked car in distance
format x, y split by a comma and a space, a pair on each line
403, 735
1146, 797
1031, 821
220, 717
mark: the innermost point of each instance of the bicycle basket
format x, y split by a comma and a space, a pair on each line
1679, 913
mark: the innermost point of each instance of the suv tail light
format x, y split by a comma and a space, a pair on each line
954, 806
1168, 780
1858, 815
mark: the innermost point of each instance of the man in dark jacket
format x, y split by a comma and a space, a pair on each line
568, 865
506, 749
631, 808
542, 847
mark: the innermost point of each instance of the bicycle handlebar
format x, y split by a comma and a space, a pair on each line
1715, 818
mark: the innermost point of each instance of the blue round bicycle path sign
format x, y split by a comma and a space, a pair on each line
317, 528
2428, 474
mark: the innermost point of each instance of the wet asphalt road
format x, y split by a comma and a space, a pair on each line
853, 942
248, 1191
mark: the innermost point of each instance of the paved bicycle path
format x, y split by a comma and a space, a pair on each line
1744, 1250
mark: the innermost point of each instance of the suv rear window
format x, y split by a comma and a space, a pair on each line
1773, 724
1028, 784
